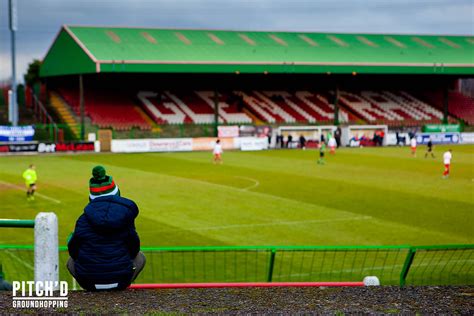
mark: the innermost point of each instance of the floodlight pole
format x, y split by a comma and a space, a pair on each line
81, 104
13, 28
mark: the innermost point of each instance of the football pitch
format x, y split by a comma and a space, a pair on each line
361, 196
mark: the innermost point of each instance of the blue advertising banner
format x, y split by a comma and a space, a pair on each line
16, 133
438, 138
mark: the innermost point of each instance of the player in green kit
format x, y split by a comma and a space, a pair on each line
30, 181
322, 149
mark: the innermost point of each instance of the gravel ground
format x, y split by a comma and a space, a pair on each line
368, 300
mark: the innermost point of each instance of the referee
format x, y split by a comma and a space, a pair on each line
30, 177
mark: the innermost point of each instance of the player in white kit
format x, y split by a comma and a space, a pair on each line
413, 146
447, 163
332, 145
217, 152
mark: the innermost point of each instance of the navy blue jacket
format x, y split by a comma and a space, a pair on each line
105, 242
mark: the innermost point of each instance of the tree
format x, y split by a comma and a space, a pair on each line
32, 75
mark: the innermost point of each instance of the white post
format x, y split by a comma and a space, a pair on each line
46, 248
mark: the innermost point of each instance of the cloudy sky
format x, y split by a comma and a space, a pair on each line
40, 20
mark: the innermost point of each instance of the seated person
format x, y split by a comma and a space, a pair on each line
105, 247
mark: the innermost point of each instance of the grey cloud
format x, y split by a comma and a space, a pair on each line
40, 20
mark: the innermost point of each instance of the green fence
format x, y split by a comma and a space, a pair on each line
393, 265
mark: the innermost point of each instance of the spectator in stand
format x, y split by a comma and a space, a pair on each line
290, 140
413, 146
282, 141
302, 142
105, 247
337, 136
447, 163
322, 139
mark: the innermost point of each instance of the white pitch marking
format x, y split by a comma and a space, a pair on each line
23, 262
256, 183
315, 221
37, 194
228, 187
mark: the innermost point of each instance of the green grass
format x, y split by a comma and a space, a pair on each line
363, 196
369, 196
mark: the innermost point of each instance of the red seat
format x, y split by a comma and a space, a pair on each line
113, 109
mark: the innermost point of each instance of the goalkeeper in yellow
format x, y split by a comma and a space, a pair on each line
30, 181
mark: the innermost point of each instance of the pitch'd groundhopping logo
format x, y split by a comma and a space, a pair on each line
31, 294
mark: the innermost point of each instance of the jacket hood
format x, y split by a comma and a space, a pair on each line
111, 212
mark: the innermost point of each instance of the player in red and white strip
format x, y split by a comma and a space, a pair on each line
217, 152
413, 146
447, 163
332, 145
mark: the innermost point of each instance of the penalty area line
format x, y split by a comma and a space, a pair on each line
36, 193
256, 183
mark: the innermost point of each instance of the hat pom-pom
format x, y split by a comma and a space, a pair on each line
98, 172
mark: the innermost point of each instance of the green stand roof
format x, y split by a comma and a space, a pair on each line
84, 49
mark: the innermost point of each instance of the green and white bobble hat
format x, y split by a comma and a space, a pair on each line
101, 184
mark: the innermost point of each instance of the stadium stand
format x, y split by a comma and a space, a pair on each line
107, 109
278, 100
142, 78
190, 107
270, 113
460, 106
161, 108
195, 108
64, 112
229, 108
394, 108
286, 107
318, 105
118, 110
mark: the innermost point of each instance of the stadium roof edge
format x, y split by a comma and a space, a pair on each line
160, 50
256, 31
78, 41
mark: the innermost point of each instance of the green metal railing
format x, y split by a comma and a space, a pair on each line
17, 223
393, 265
